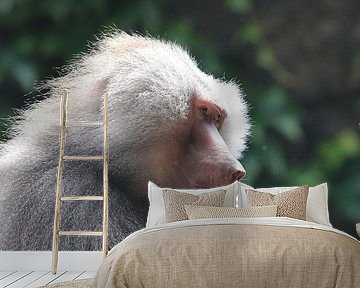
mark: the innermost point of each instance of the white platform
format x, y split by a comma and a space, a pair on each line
32, 268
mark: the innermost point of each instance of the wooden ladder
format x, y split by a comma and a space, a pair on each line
59, 198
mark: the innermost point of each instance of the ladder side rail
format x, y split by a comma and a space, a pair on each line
105, 243
56, 228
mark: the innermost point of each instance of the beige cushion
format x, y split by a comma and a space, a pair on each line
291, 203
317, 204
201, 212
174, 202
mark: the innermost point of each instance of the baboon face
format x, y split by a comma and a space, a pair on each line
174, 124
195, 155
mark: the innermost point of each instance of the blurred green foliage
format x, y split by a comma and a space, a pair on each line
38, 36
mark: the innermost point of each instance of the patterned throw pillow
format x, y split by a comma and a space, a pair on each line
291, 203
201, 212
174, 202
156, 213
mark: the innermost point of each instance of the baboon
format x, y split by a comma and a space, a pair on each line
169, 123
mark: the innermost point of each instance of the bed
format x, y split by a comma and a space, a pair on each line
234, 251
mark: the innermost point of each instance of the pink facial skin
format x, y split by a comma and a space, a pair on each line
196, 156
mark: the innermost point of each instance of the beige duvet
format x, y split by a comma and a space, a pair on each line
225, 253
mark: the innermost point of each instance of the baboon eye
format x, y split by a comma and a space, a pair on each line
203, 110
218, 120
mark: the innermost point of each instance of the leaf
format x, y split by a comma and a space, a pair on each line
288, 125
25, 74
6, 6
239, 6
335, 152
249, 33
265, 57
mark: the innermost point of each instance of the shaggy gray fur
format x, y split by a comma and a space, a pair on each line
150, 85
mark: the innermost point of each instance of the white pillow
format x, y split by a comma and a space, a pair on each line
156, 213
317, 203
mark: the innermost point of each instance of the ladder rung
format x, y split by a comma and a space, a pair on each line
82, 198
84, 123
82, 158
80, 233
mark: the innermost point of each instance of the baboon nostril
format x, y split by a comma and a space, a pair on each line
238, 175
